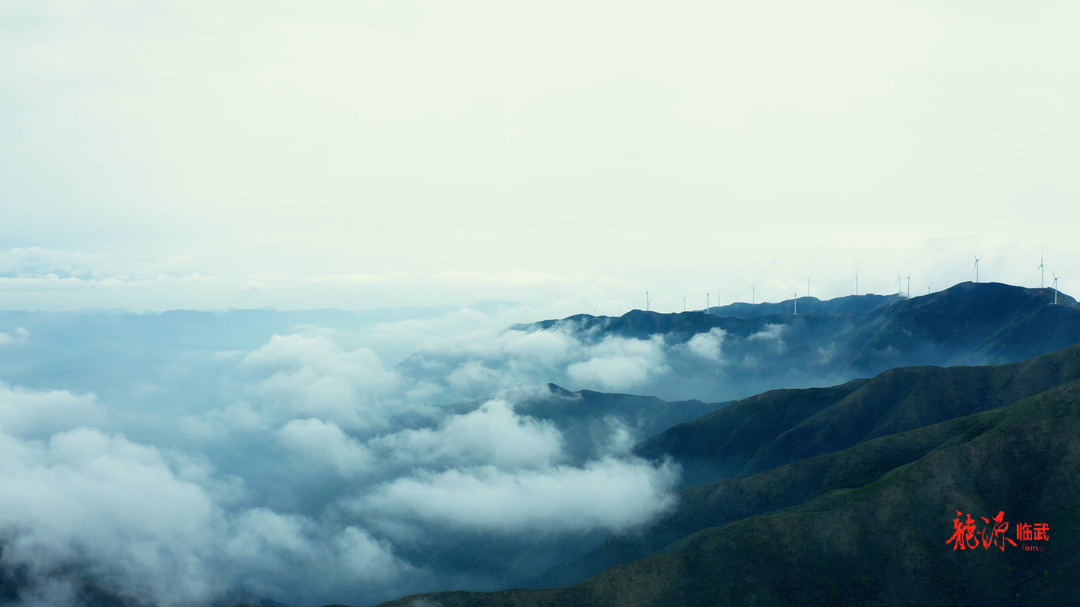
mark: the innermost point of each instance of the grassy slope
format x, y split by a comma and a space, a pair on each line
734, 499
882, 542
898, 399
783, 426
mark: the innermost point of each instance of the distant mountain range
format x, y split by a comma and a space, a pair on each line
766, 346
855, 500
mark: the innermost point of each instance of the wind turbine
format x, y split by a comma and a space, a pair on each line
976, 267
856, 282
1056, 277
796, 302
808, 285
753, 293
928, 287
646, 300
683, 303
1042, 272
899, 285
908, 285
707, 308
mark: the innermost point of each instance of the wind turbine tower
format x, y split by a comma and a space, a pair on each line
928, 287
1056, 277
707, 308
795, 301
646, 300
683, 303
908, 285
1042, 272
856, 282
808, 286
753, 293
899, 284
976, 268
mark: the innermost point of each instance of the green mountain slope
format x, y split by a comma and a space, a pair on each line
884, 542
796, 425
783, 426
733, 499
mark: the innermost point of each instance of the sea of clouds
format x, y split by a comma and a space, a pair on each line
311, 461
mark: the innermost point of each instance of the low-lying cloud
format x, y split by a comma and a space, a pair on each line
301, 465
124, 514
610, 494
37, 414
17, 337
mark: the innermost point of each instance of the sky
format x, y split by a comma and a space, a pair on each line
569, 156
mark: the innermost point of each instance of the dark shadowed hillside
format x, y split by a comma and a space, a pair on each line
586, 418
783, 426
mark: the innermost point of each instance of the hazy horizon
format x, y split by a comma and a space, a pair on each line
392, 153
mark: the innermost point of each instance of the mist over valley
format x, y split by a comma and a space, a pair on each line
214, 458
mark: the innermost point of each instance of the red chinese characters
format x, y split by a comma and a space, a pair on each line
997, 538
993, 534
964, 533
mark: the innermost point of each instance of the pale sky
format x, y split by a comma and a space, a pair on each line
569, 155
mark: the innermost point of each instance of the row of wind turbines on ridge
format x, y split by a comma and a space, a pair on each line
899, 291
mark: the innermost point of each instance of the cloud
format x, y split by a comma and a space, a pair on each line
489, 435
158, 526
112, 505
312, 375
217, 424
546, 348
34, 268
826, 353
265, 539
31, 413
620, 364
611, 494
492, 434
18, 337
770, 334
327, 443
708, 346
254, 428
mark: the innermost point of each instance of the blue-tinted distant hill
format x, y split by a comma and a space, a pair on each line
850, 304
766, 346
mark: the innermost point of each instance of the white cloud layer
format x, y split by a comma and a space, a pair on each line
122, 512
253, 467
611, 494
490, 435
311, 375
17, 337
36, 414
